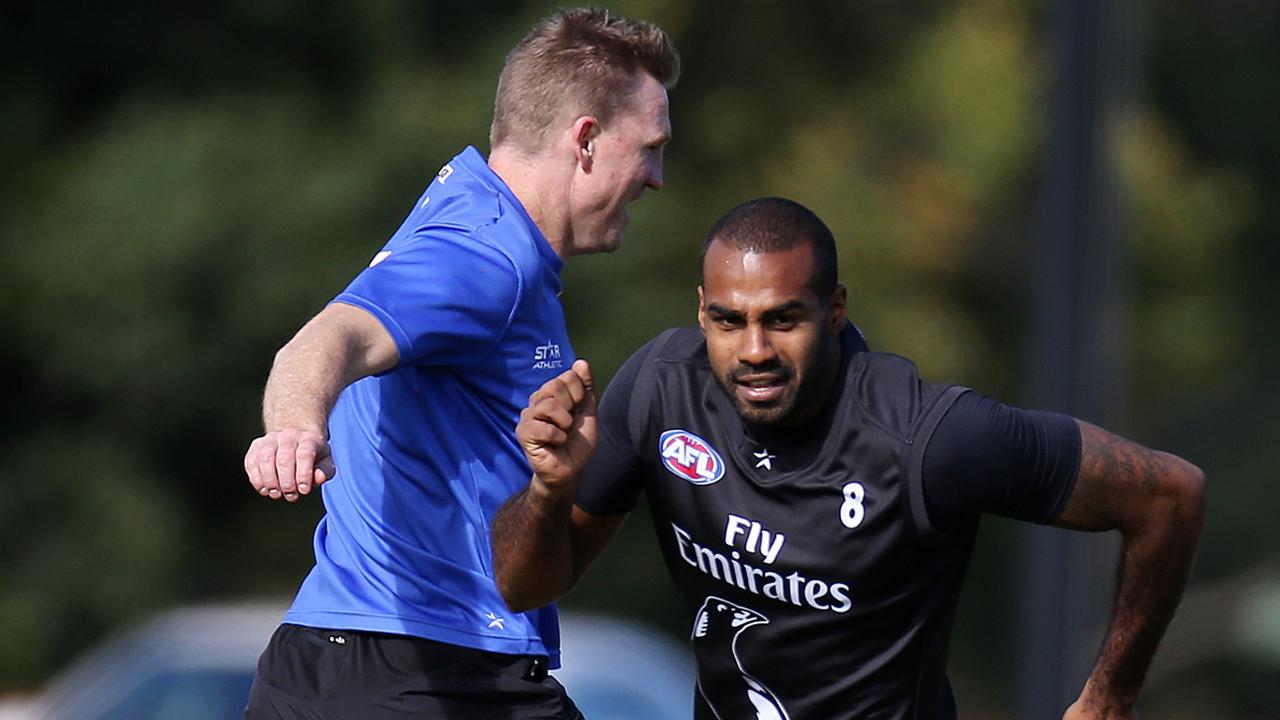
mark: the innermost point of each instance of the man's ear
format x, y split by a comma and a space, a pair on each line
702, 310
839, 308
585, 129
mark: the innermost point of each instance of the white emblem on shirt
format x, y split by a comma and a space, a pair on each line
547, 357
765, 460
495, 621
380, 257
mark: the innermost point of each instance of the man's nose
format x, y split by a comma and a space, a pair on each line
654, 179
755, 348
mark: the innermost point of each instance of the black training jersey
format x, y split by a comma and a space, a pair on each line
817, 585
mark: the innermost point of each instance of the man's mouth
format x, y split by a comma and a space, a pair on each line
760, 388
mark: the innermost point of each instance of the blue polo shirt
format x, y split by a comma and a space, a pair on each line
469, 289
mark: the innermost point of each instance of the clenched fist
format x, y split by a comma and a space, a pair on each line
558, 430
288, 463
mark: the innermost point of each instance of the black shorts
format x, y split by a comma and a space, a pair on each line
312, 674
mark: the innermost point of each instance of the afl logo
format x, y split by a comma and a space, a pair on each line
690, 457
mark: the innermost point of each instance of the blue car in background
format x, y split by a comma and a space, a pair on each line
620, 670
197, 663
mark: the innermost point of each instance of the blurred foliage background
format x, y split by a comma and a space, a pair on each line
184, 185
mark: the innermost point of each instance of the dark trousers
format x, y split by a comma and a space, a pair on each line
313, 674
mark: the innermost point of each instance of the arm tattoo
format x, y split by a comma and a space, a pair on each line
1156, 501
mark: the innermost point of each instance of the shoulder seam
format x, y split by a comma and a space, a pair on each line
516, 301
862, 408
923, 430
644, 385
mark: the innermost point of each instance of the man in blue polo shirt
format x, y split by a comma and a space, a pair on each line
401, 397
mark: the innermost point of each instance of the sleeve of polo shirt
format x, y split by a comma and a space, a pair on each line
986, 456
611, 483
445, 297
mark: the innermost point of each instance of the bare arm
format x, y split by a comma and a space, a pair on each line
338, 346
541, 548
1156, 501
542, 543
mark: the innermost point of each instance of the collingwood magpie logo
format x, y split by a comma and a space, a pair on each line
547, 357
727, 687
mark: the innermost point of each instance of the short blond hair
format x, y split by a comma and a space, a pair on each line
583, 60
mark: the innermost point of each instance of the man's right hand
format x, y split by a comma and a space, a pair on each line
288, 463
558, 431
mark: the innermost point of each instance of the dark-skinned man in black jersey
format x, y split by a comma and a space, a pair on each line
816, 503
